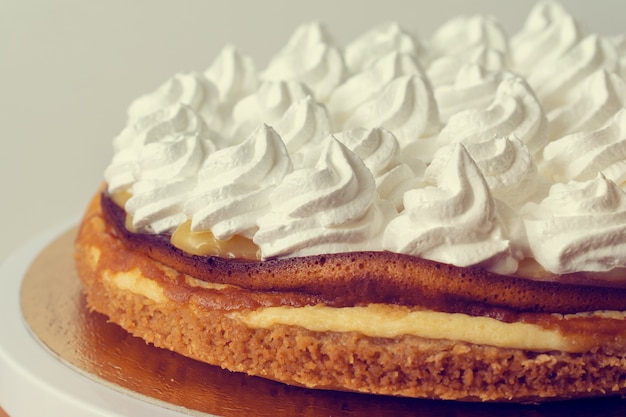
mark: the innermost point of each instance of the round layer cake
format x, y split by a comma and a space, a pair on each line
440, 218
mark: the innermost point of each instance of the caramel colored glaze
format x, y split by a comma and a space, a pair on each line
359, 278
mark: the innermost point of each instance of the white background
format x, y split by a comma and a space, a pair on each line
69, 68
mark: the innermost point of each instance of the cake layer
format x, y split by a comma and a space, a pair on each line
104, 254
357, 278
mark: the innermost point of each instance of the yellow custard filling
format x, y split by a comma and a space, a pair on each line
136, 283
384, 321
387, 321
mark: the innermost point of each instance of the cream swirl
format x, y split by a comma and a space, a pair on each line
507, 166
601, 96
192, 89
514, 111
467, 32
601, 150
455, 222
474, 87
329, 208
160, 125
120, 173
303, 127
266, 105
580, 226
556, 80
380, 151
366, 85
549, 31
167, 120
445, 69
378, 42
234, 185
616, 172
235, 77
165, 175
474, 39
310, 57
406, 107
620, 45
178, 157
233, 73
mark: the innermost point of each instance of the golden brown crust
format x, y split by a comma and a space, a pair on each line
349, 361
348, 279
195, 322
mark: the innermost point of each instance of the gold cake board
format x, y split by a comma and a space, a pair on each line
55, 311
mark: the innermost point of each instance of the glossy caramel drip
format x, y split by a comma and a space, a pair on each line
202, 243
206, 244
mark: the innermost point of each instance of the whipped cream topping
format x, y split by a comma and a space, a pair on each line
176, 118
193, 89
513, 111
234, 185
466, 32
459, 148
506, 165
329, 208
233, 74
303, 127
580, 226
309, 57
165, 175
548, 33
474, 87
378, 42
454, 222
620, 45
366, 85
444, 70
153, 128
554, 83
601, 150
235, 77
379, 149
266, 105
601, 95
406, 107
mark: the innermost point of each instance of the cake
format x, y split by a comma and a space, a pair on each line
439, 218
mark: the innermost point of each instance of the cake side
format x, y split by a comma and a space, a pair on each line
207, 325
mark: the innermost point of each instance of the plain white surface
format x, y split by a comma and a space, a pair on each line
69, 68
